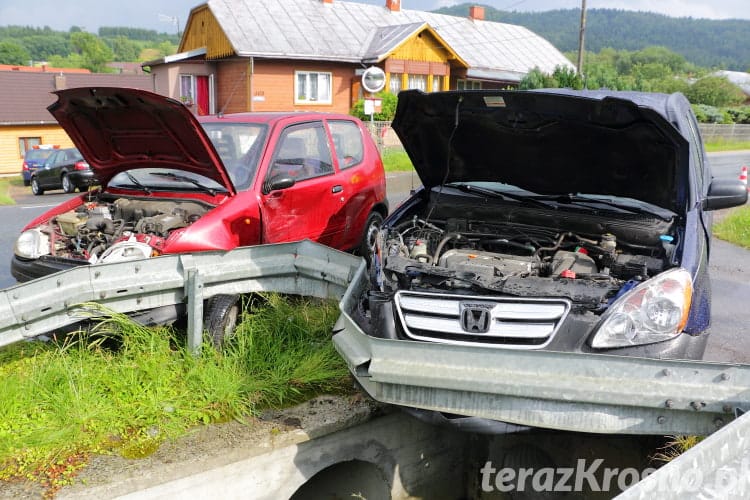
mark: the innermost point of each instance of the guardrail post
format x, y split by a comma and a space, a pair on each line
194, 293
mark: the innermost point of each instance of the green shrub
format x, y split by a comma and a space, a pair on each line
387, 109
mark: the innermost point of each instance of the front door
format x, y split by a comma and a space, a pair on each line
314, 206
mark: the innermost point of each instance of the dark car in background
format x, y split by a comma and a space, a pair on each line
64, 169
34, 158
556, 220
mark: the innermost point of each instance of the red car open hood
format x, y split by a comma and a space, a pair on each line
118, 129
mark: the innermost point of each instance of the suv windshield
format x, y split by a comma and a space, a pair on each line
574, 200
239, 145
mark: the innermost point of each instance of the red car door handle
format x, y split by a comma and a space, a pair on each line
337, 189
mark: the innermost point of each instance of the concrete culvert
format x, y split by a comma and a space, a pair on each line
345, 480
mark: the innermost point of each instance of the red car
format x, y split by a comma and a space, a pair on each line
172, 182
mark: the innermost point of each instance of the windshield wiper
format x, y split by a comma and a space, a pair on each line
469, 188
185, 178
575, 199
137, 183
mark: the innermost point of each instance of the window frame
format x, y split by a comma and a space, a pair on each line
187, 99
332, 125
474, 84
317, 100
26, 143
319, 129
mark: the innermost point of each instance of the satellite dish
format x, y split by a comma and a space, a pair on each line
373, 79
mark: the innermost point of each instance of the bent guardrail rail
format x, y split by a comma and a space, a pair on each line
718, 467
46, 304
555, 390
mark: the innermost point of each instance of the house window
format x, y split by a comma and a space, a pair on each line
395, 83
437, 83
26, 143
468, 85
312, 87
187, 89
418, 82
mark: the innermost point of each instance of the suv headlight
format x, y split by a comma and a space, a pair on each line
31, 244
653, 311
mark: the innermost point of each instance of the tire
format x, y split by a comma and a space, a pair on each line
67, 185
26, 182
221, 316
35, 187
374, 221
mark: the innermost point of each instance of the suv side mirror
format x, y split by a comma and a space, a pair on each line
277, 182
725, 193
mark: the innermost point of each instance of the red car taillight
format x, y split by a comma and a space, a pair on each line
25, 166
81, 165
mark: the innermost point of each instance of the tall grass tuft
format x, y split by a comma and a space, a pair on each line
735, 227
124, 388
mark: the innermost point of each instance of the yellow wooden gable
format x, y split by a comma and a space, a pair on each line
427, 46
203, 30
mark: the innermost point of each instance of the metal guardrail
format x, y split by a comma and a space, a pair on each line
555, 390
729, 132
46, 304
716, 468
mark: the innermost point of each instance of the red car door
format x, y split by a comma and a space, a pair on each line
313, 207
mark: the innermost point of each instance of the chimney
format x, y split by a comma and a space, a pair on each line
476, 13
60, 83
393, 5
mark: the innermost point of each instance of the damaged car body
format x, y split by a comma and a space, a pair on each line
552, 220
173, 183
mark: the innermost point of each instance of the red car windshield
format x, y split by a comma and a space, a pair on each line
239, 145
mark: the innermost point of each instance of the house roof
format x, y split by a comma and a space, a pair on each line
26, 95
742, 80
348, 31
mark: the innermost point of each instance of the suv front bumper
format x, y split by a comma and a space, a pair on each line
572, 391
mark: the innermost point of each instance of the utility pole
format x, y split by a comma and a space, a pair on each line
581, 37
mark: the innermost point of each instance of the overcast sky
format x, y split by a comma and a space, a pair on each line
160, 14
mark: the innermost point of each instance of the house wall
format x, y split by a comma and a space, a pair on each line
167, 76
11, 158
232, 86
271, 87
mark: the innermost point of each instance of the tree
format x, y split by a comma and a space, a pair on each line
567, 77
95, 53
167, 48
715, 91
563, 76
13, 53
536, 79
125, 49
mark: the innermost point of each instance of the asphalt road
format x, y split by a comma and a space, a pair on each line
730, 266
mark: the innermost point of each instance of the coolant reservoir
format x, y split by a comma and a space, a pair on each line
71, 221
419, 251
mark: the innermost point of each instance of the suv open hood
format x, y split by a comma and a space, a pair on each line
118, 129
548, 142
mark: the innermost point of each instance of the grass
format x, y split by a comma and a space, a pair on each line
676, 446
62, 403
725, 145
396, 160
5, 185
735, 227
